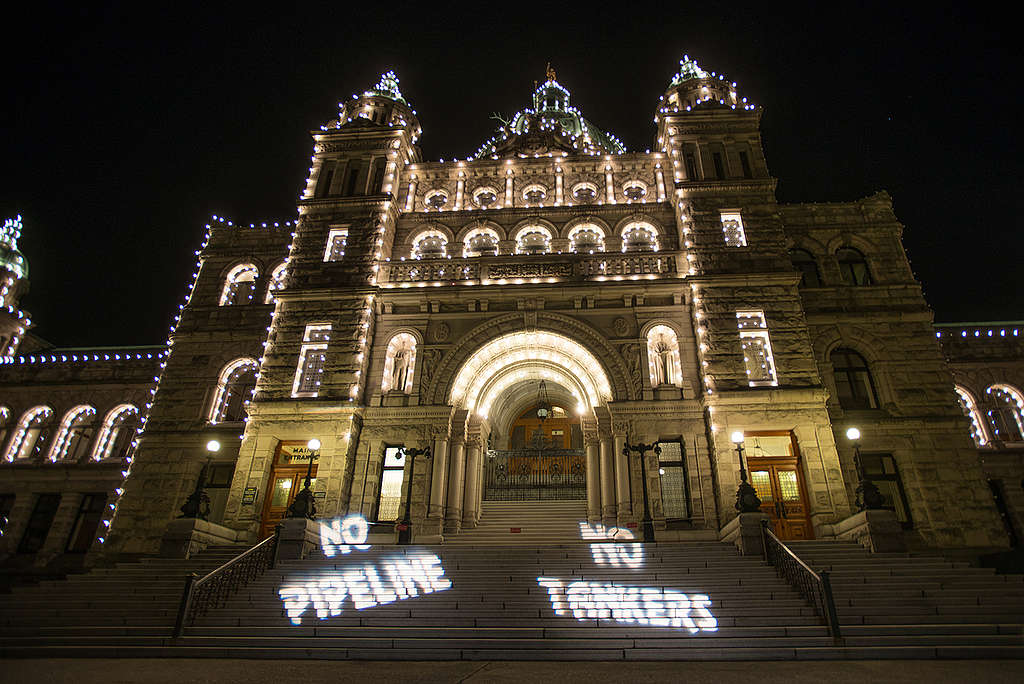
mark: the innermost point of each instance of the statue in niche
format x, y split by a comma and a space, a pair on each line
400, 370
663, 361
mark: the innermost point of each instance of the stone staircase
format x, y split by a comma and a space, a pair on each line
528, 523
594, 601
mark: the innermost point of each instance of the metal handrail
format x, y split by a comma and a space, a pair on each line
816, 586
214, 588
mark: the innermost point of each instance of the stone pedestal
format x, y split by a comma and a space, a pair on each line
185, 537
745, 532
298, 536
877, 529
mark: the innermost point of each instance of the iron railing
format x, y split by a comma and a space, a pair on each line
815, 586
535, 475
213, 589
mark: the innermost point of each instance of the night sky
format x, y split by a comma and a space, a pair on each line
123, 132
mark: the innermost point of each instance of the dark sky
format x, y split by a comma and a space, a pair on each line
123, 131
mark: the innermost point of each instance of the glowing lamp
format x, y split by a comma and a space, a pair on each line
313, 444
213, 446
853, 434
737, 437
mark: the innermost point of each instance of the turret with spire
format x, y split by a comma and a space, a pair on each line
13, 285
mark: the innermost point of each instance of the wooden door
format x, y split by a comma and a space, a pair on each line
556, 429
285, 483
780, 488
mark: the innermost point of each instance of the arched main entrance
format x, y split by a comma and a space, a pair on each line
498, 388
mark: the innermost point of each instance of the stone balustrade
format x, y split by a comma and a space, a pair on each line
542, 268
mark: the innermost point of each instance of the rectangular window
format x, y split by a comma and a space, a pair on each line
336, 241
323, 184
39, 523
757, 348
719, 166
745, 163
353, 177
691, 166
312, 355
90, 512
675, 498
732, 229
6, 504
882, 470
392, 474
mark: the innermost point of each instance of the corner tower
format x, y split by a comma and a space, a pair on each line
13, 285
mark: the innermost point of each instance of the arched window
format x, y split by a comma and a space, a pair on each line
1007, 418
634, 190
533, 240
585, 192
853, 266
430, 244
239, 285
485, 197
117, 433
276, 281
585, 238
804, 262
30, 434
480, 242
73, 434
436, 199
234, 390
970, 409
854, 387
639, 237
535, 193
399, 364
663, 356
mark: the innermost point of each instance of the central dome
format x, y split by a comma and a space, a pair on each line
552, 127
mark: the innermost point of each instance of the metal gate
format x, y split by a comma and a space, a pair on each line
535, 475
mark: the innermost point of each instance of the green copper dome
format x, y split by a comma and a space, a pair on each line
552, 126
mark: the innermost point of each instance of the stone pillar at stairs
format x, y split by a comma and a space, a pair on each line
593, 446
624, 510
438, 471
456, 485
471, 498
608, 507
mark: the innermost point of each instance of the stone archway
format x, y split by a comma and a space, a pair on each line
496, 381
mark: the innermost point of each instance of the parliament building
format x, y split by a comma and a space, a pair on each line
540, 315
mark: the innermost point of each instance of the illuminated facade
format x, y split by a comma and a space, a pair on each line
661, 296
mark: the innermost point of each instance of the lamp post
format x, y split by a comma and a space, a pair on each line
868, 496
405, 526
197, 505
642, 449
747, 500
303, 505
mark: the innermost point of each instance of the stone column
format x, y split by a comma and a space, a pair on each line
607, 480
471, 499
593, 446
438, 471
624, 509
456, 482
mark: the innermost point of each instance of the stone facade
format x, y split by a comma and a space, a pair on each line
658, 296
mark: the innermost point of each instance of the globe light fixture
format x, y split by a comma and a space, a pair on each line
737, 437
213, 446
303, 506
868, 496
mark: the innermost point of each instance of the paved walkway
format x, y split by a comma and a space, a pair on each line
200, 671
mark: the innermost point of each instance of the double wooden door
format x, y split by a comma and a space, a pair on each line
780, 487
285, 483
